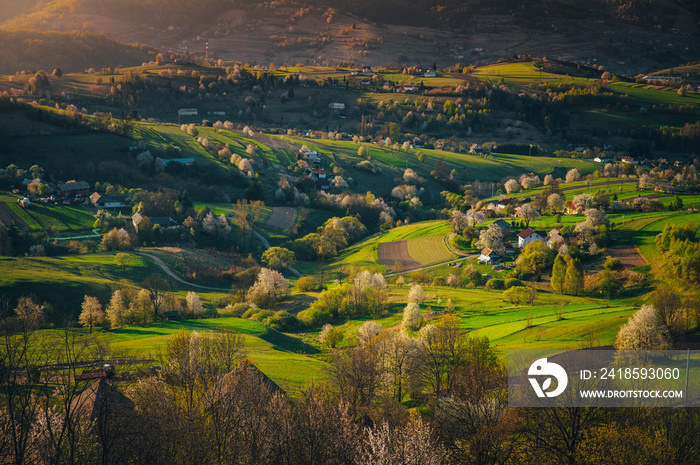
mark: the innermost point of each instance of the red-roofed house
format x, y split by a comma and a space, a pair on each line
528, 235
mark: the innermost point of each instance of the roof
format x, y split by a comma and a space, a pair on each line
74, 186
526, 233
97, 398
506, 201
487, 252
163, 221
253, 373
502, 223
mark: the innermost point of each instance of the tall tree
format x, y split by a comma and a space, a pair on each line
157, 287
92, 314
558, 274
573, 281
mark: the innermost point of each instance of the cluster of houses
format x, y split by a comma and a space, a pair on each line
526, 236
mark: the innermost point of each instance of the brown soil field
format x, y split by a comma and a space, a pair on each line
10, 218
394, 255
628, 256
282, 217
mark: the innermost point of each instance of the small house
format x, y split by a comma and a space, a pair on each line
506, 202
476, 148
529, 235
503, 224
162, 221
629, 160
180, 161
430, 74
488, 257
109, 201
72, 188
187, 112
336, 106
319, 174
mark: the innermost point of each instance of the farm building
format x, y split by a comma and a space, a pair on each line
503, 224
319, 174
476, 148
489, 257
311, 156
528, 235
162, 221
181, 161
555, 239
187, 112
629, 160
73, 188
100, 400
109, 201
24, 202
506, 201
430, 74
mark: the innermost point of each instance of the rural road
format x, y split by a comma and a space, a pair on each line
267, 246
172, 274
397, 273
449, 246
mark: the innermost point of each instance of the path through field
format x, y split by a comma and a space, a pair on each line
282, 217
628, 256
10, 218
394, 255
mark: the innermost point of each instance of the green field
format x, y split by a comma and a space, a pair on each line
57, 218
287, 360
429, 250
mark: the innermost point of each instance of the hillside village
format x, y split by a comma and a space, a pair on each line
255, 259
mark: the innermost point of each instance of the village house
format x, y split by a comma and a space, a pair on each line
430, 74
529, 235
319, 174
72, 188
476, 148
602, 159
488, 257
629, 160
336, 106
109, 201
187, 112
180, 161
554, 239
503, 224
506, 202
162, 221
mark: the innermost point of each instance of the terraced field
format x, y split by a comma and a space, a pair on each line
395, 255
429, 250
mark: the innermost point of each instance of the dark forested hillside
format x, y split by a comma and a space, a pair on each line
74, 51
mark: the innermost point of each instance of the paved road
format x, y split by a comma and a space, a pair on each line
173, 275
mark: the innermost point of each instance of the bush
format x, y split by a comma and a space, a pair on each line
495, 283
258, 314
307, 283
235, 310
282, 321
520, 294
612, 264
510, 282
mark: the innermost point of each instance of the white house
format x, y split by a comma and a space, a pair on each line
430, 74
336, 106
488, 257
528, 235
311, 156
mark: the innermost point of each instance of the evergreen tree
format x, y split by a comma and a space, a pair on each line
574, 277
558, 274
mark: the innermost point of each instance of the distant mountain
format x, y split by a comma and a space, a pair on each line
70, 51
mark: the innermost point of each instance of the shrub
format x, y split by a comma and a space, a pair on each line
510, 282
495, 283
520, 294
235, 310
612, 264
307, 283
282, 321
